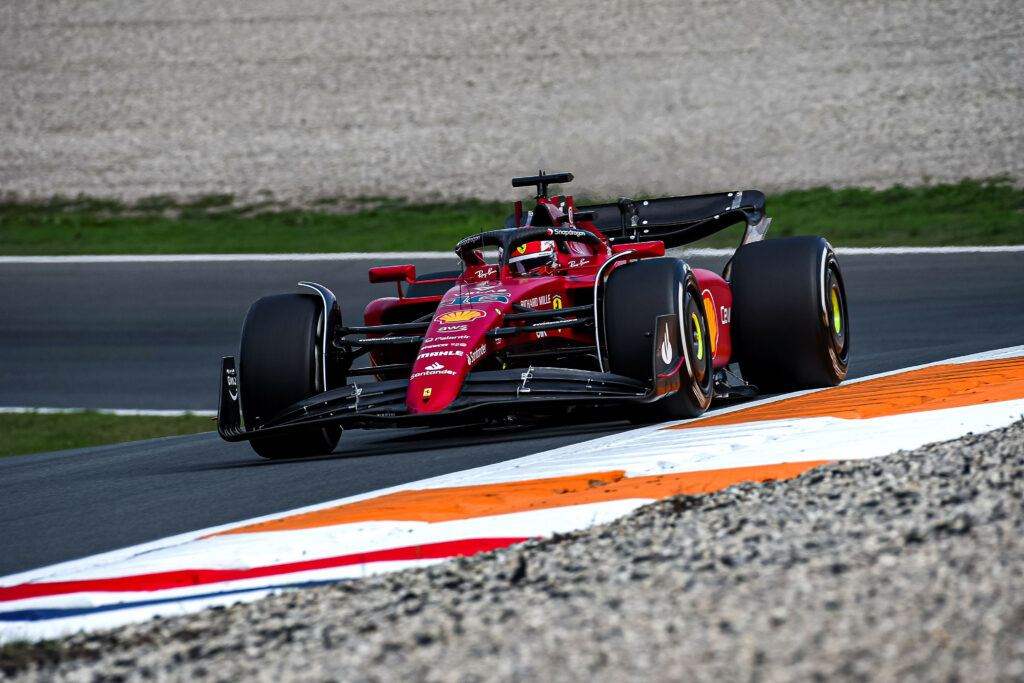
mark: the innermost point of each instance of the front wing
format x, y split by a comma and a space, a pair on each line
533, 392
536, 392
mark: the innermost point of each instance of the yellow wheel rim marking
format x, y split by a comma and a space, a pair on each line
837, 318
700, 337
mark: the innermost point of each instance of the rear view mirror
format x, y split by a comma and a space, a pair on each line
393, 273
642, 249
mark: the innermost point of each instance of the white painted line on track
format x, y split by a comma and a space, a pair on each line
122, 412
403, 255
867, 251
219, 258
886, 251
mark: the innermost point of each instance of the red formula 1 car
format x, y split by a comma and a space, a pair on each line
579, 311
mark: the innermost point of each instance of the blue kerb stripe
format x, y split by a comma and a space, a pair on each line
59, 613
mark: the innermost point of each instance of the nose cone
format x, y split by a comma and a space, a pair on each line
443, 360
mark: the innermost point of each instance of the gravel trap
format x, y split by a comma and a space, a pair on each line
902, 567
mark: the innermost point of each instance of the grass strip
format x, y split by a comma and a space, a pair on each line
988, 212
40, 432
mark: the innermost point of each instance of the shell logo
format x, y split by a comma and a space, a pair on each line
709, 308
460, 316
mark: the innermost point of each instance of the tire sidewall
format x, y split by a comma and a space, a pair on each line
281, 363
700, 391
781, 318
636, 294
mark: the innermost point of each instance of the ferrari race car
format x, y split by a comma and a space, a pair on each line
579, 311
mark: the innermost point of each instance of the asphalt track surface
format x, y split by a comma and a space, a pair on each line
151, 335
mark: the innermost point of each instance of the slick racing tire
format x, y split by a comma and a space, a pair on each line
790, 324
281, 362
635, 295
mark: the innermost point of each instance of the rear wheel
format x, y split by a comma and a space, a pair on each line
790, 324
636, 294
281, 362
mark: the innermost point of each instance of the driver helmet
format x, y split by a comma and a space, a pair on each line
533, 256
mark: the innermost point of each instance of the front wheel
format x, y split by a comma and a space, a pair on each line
790, 323
280, 363
636, 295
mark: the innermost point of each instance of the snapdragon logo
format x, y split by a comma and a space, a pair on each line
566, 233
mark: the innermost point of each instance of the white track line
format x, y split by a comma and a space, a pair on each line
404, 255
124, 412
885, 251
869, 251
216, 258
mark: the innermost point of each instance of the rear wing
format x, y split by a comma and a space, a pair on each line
680, 220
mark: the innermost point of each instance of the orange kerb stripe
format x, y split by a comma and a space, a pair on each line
932, 388
441, 505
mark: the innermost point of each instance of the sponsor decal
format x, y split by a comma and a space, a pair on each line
485, 273
726, 315
455, 328
446, 345
445, 338
579, 263
475, 353
434, 366
460, 316
432, 354
490, 298
537, 301
566, 233
427, 392
669, 359
710, 309
433, 372
232, 381
556, 304
491, 287
666, 348
540, 335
